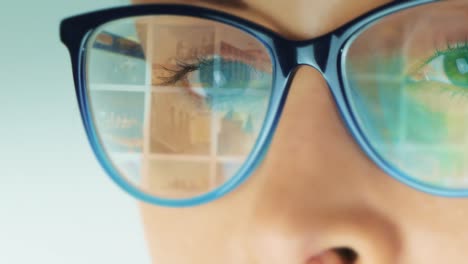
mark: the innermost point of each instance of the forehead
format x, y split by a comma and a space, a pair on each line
303, 19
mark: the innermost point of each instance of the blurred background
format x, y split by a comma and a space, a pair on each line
56, 203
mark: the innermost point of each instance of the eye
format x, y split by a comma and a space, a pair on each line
233, 88
446, 67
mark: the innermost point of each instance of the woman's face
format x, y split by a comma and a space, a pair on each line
315, 192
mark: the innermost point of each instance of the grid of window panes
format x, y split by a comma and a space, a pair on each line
158, 129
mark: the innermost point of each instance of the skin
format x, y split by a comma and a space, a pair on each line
300, 208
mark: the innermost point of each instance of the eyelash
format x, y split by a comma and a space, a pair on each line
450, 47
183, 68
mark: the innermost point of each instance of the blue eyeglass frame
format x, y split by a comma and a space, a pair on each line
324, 53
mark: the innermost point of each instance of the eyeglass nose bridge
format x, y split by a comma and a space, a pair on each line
320, 53
314, 53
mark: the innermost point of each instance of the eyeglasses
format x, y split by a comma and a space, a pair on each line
180, 103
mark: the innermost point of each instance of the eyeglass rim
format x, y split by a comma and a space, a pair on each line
76, 30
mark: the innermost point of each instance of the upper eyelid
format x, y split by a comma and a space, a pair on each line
182, 71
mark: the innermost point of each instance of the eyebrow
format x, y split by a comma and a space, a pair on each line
230, 3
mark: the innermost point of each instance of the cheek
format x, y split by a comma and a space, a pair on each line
210, 233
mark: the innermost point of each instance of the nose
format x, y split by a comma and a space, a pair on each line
315, 184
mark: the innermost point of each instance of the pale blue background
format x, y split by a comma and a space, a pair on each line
56, 204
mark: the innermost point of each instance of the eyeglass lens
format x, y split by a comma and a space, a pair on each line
178, 102
407, 84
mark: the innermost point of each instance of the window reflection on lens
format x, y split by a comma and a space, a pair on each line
201, 91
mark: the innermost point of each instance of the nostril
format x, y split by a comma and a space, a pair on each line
348, 255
